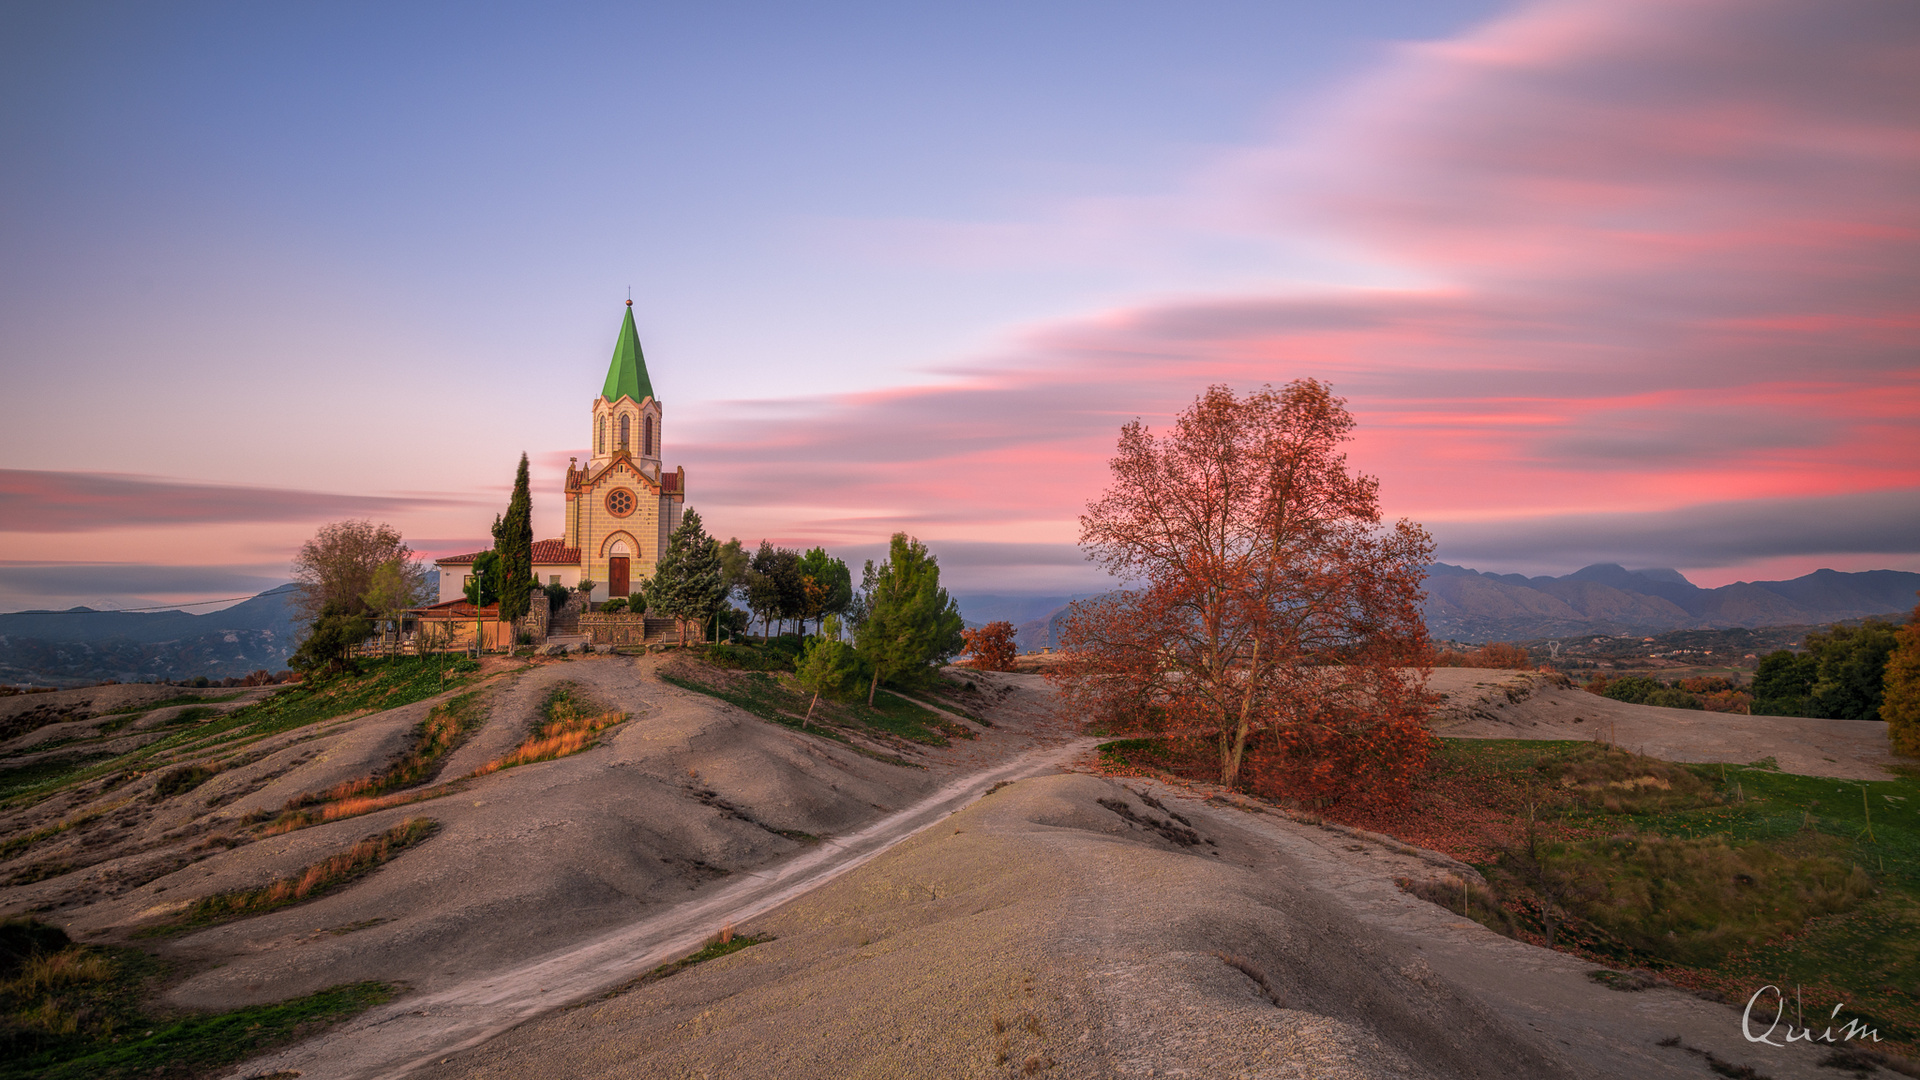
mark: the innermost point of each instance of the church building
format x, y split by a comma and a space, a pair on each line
621, 506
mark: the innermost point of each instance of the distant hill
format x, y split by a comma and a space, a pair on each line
1469, 605
80, 645
1472, 606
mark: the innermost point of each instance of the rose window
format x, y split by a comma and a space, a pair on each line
620, 502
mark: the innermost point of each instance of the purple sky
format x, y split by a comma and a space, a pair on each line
1623, 281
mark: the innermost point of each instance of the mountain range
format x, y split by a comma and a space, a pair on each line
1469, 605
79, 646
1473, 606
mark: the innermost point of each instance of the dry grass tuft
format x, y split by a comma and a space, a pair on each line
572, 725
322, 877
1620, 782
1464, 898
1247, 967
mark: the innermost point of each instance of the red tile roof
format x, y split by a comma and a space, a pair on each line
555, 552
545, 553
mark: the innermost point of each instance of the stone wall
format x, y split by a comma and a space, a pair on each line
625, 628
534, 622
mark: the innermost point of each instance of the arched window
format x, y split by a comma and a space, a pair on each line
625, 431
600, 439
646, 440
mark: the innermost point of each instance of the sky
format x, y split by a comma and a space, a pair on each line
1620, 281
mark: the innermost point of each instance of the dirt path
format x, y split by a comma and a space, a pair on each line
415, 1031
1064, 928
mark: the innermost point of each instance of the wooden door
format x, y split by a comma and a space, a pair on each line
617, 583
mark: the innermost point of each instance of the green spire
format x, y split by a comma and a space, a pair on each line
628, 373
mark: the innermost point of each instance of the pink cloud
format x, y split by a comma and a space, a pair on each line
37, 501
1668, 256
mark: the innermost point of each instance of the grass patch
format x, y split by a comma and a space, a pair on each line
13, 845
1723, 878
384, 684
310, 883
717, 946
909, 720
74, 1012
571, 724
758, 693
48, 774
168, 703
739, 656
779, 698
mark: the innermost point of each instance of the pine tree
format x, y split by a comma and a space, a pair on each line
909, 622
513, 543
689, 583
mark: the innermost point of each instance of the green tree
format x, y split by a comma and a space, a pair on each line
828, 665
1850, 682
689, 584
330, 638
1783, 682
393, 590
775, 590
337, 566
827, 585
483, 584
1840, 676
910, 623
513, 548
1900, 703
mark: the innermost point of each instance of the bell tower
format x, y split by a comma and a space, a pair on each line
622, 506
626, 418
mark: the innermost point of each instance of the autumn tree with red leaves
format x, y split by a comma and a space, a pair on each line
990, 648
1264, 596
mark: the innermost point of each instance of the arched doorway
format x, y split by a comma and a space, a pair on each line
619, 570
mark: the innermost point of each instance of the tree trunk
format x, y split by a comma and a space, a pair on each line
1230, 760
875, 688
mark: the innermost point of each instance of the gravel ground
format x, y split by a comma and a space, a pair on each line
1039, 932
1486, 704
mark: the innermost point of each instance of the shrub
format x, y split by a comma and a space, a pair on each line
990, 647
557, 597
831, 667
614, 606
331, 637
740, 657
181, 781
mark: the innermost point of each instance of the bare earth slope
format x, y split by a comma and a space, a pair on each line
1486, 704
1064, 926
686, 795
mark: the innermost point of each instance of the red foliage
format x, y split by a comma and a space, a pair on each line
1272, 599
991, 647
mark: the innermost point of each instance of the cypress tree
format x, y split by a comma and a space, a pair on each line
513, 545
